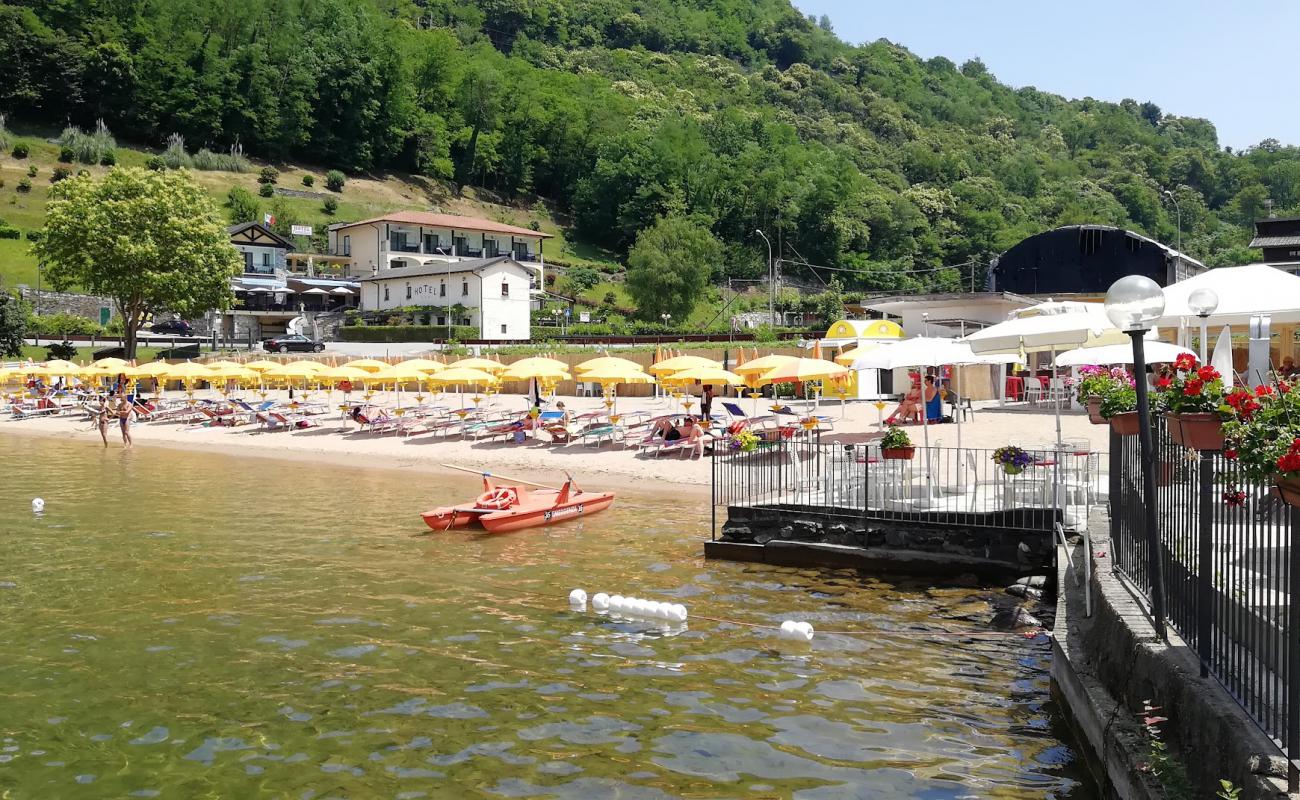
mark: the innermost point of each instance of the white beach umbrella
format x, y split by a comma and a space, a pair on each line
1156, 353
1222, 358
1048, 326
1243, 292
341, 290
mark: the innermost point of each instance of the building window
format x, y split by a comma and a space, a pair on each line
464, 289
465, 321
385, 291
347, 245
408, 291
248, 262
458, 245
489, 248
442, 289
431, 243
505, 289
503, 328
442, 321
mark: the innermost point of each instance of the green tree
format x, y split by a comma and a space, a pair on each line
13, 325
241, 206
582, 278
149, 240
669, 266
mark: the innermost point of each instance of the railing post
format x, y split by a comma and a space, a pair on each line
1293, 655
1116, 465
1204, 565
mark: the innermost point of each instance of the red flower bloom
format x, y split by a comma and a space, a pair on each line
1163, 383
1193, 387
1263, 390
1234, 497
1289, 462
1230, 454
1208, 373
1186, 362
1283, 387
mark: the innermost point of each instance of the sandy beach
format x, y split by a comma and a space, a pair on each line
608, 465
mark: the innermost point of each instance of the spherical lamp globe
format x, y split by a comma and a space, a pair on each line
1134, 303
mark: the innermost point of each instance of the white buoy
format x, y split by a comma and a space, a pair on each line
578, 597
600, 601
38, 505
804, 630
680, 611
788, 629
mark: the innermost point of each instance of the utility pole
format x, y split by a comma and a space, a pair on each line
771, 283
1179, 211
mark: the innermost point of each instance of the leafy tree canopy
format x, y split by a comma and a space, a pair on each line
149, 240
13, 325
669, 267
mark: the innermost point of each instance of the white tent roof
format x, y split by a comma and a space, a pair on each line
1049, 326
1154, 352
924, 351
1243, 292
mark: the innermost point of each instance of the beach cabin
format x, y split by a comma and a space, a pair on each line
847, 335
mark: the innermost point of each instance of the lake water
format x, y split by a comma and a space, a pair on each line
187, 625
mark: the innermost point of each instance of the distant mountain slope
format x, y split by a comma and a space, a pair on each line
742, 113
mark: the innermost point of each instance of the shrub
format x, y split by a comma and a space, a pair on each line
109, 159
20, 150
334, 180
175, 156
83, 172
24, 185
9, 232
35, 236
156, 163
61, 350
268, 175
234, 161
60, 173
308, 180
267, 190
64, 325
330, 206
406, 333
88, 148
31, 170
4, 135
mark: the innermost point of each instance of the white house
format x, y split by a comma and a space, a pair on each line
491, 294
263, 249
405, 239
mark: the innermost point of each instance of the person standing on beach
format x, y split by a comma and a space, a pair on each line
101, 419
123, 413
706, 403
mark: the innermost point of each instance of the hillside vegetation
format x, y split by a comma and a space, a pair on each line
738, 114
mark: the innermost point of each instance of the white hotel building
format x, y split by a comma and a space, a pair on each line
482, 273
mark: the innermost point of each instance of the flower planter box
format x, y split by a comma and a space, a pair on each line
1125, 424
1198, 431
898, 453
1288, 489
1094, 410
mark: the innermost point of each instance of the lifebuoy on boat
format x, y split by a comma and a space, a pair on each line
499, 498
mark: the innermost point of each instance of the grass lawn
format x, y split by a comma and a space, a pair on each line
86, 355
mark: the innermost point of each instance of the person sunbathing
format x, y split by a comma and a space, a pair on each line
909, 409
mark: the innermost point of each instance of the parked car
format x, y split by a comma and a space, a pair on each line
293, 343
178, 327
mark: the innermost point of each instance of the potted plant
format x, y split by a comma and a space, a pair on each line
1012, 459
1119, 406
1193, 401
1095, 383
1264, 436
744, 441
897, 444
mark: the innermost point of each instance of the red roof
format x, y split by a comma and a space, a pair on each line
431, 220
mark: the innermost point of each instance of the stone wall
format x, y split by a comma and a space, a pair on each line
973, 542
82, 305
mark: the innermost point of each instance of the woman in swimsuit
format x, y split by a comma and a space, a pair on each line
101, 419
123, 413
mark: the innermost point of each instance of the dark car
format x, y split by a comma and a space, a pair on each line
179, 327
292, 343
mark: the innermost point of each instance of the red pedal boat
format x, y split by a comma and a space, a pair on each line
513, 505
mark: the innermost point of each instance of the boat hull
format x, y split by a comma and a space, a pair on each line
537, 510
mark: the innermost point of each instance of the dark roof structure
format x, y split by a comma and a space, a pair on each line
258, 235
1086, 259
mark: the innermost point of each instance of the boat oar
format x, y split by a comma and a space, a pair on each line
502, 477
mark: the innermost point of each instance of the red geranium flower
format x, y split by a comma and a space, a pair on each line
1193, 387
1163, 383
1208, 373
1263, 390
1185, 362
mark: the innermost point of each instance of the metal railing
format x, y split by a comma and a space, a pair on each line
1231, 573
946, 485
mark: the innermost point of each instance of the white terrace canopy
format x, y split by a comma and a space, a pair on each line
1243, 292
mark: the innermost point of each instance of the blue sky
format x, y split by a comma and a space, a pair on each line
1225, 61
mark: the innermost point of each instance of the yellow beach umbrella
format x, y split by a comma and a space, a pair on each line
345, 373
605, 363
758, 366
704, 375
299, 370
188, 371
223, 364
368, 364
480, 364
536, 362
800, 370
235, 372
263, 365
110, 363
520, 371
680, 363
153, 369
398, 375
613, 374
422, 364
455, 376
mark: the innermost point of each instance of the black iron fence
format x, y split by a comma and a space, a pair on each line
941, 485
1230, 568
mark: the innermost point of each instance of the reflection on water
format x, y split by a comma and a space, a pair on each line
185, 625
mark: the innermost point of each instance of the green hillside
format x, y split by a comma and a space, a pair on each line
739, 114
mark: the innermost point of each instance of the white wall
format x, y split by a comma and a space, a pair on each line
490, 309
512, 311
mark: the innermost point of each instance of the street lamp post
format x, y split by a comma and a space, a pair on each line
1134, 304
40, 268
771, 283
1178, 210
1203, 302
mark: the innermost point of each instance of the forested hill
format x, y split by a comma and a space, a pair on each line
741, 114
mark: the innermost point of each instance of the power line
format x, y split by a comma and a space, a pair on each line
863, 272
